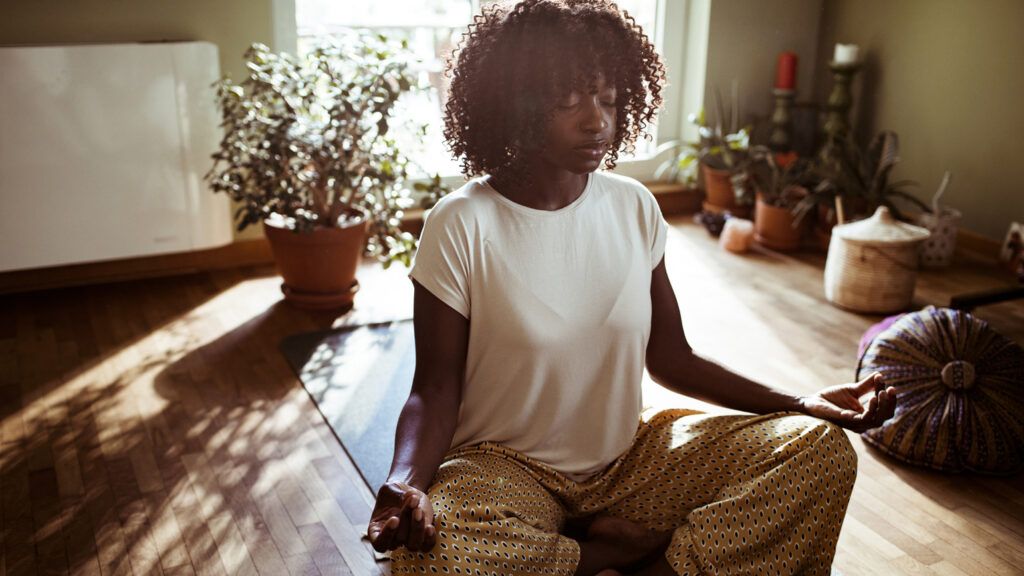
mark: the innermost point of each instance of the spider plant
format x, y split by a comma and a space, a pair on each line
864, 178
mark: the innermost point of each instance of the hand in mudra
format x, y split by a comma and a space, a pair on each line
401, 517
841, 404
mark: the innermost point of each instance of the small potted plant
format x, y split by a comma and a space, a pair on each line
781, 182
723, 158
872, 180
857, 183
307, 152
681, 166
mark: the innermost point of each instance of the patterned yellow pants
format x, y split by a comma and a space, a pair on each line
742, 495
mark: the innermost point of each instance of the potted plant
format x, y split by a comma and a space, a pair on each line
307, 152
872, 179
723, 158
681, 166
781, 182
857, 183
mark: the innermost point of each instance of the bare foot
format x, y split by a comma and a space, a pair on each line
630, 543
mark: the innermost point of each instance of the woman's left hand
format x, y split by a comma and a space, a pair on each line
841, 404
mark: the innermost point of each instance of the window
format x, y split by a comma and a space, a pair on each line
432, 29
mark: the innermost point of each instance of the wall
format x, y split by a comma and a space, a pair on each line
744, 41
230, 24
946, 75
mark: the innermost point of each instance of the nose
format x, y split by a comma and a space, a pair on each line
595, 118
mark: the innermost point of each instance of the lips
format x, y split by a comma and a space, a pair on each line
593, 151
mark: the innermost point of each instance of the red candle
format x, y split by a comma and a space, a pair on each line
785, 73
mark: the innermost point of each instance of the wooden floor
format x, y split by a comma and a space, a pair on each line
153, 427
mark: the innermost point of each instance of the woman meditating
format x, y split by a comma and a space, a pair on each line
540, 297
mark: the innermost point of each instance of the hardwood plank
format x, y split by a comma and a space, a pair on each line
143, 551
282, 530
230, 545
325, 555
302, 566
358, 554
202, 548
167, 535
79, 541
891, 534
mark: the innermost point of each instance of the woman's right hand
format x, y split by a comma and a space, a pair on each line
402, 517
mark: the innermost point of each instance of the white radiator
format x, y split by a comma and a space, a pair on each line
103, 149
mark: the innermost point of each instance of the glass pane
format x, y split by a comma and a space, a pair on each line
432, 28
645, 13
321, 16
414, 111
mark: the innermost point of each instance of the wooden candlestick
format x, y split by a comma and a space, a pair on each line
782, 122
837, 123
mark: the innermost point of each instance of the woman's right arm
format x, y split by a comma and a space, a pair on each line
402, 515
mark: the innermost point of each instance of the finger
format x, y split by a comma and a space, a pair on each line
373, 531
428, 512
871, 408
867, 384
871, 414
385, 535
888, 408
416, 531
429, 538
402, 534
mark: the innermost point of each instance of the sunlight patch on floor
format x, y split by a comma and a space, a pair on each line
743, 340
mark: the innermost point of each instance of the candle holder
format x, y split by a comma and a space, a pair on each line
837, 123
782, 122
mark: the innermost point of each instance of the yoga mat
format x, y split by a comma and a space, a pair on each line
359, 377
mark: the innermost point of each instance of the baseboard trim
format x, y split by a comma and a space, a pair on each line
238, 253
249, 252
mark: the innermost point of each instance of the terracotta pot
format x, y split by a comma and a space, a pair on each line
720, 194
318, 267
718, 187
773, 227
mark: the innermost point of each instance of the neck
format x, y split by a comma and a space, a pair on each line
550, 188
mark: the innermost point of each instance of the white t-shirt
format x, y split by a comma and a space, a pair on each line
559, 310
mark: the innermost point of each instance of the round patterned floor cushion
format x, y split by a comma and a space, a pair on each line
960, 392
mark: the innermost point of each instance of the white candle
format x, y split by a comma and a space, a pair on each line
846, 54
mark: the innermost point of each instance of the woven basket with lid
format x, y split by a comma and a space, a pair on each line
872, 264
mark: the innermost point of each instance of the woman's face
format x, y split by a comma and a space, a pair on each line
582, 128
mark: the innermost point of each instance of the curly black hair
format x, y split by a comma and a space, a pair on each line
516, 62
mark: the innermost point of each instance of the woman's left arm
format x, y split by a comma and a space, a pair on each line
673, 364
